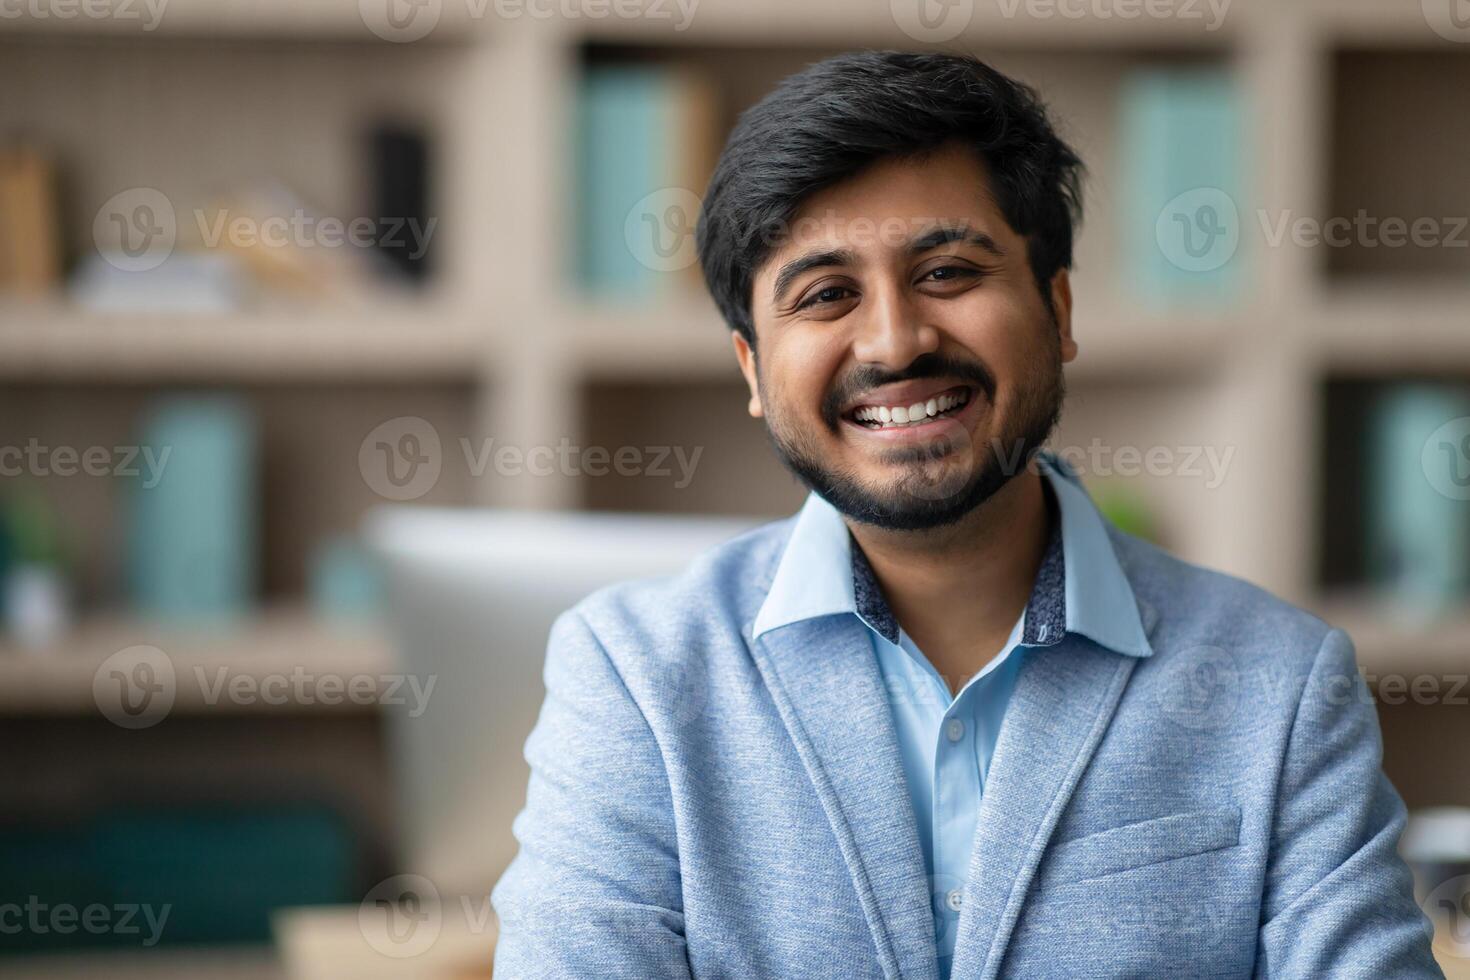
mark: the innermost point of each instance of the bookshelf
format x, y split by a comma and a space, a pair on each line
504, 340
52, 341
263, 650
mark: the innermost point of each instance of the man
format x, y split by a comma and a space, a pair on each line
946, 722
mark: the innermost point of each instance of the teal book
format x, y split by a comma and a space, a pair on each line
190, 874
192, 531
1418, 521
1182, 213
622, 146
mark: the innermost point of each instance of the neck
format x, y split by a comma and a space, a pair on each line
958, 590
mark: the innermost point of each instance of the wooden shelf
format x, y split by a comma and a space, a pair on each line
1394, 326
679, 339
321, 20
876, 23
828, 22
1373, 23
841, 22
1392, 640
269, 650
54, 341
1119, 343
336, 942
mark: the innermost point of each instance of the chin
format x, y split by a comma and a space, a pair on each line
913, 496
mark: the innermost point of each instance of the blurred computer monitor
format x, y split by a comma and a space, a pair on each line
471, 597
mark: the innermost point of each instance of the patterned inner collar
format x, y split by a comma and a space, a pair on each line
1046, 610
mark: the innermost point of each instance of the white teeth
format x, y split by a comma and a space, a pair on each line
914, 414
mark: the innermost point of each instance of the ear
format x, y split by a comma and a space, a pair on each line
1061, 303
746, 356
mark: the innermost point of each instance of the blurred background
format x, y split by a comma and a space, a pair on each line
287, 286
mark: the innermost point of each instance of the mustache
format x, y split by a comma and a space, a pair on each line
933, 365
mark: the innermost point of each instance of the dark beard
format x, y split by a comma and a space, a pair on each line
923, 498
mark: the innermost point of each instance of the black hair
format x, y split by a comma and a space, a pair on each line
835, 118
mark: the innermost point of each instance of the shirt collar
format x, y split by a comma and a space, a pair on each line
1080, 587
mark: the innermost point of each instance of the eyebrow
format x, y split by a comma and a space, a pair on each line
802, 264
794, 269
945, 236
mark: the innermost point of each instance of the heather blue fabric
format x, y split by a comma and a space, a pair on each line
707, 803
945, 742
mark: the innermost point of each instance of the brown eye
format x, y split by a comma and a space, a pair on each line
827, 294
949, 273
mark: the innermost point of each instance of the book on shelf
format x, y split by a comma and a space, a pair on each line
193, 509
647, 141
1182, 214
30, 235
1418, 526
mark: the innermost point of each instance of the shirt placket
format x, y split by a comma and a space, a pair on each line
956, 794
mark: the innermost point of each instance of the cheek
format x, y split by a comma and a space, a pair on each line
809, 363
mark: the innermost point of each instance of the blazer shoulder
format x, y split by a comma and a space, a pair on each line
1198, 606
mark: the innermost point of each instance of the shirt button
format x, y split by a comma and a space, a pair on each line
954, 729
954, 899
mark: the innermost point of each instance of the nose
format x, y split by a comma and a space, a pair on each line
891, 331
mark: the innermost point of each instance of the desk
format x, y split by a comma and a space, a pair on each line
454, 942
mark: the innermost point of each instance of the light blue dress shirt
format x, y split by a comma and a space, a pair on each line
945, 742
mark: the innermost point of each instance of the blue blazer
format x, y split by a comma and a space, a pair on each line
704, 804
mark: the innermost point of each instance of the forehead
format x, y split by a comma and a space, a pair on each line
888, 204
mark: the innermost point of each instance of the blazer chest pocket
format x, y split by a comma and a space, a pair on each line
1138, 845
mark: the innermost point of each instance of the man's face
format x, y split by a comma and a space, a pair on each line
906, 362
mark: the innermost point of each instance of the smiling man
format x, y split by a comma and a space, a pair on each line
946, 721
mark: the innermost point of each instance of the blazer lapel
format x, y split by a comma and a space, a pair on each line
1065, 697
826, 685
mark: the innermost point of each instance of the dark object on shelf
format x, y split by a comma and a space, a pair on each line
400, 175
163, 876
